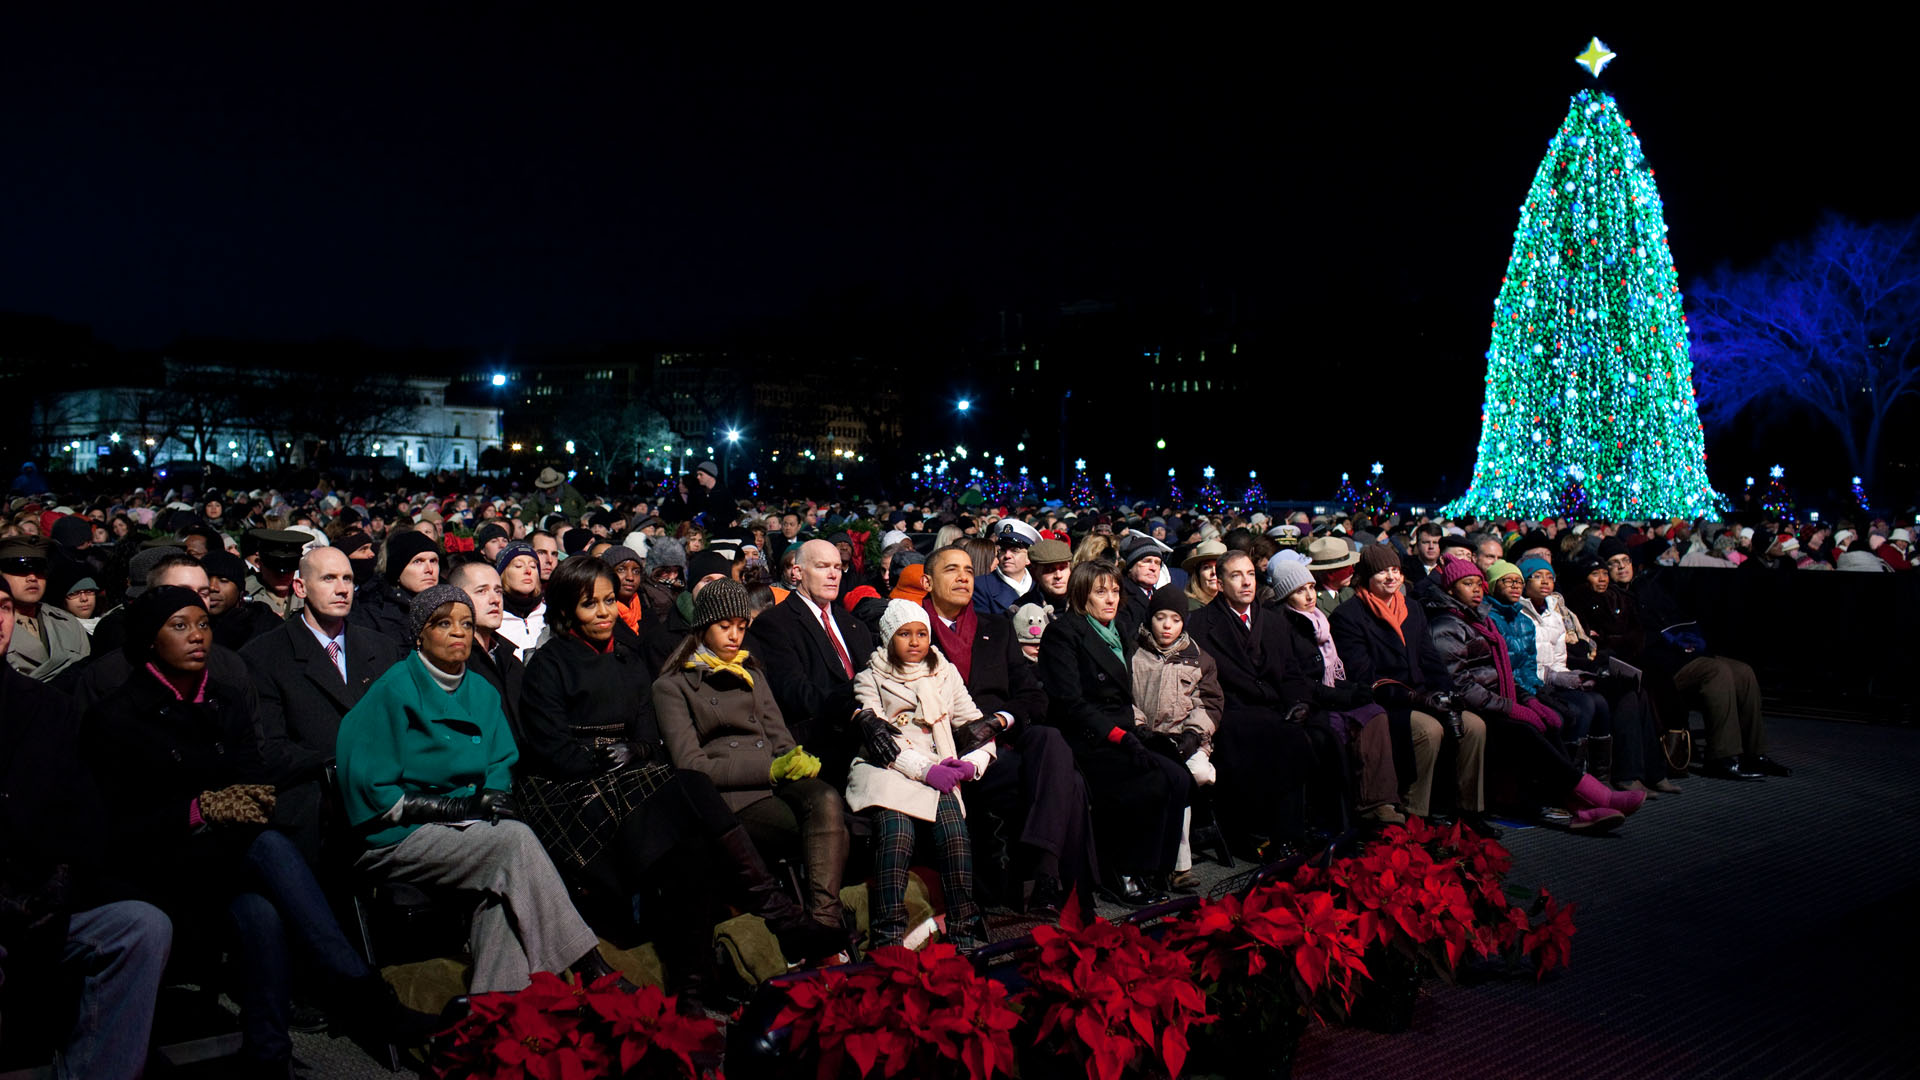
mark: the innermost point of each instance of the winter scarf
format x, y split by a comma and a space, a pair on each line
914, 686
1517, 631
955, 644
707, 658
1392, 611
1110, 636
1330, 666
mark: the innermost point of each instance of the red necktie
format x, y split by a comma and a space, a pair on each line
846, 662
1246, 618
333, 654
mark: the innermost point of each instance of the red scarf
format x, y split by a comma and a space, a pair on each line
955, 644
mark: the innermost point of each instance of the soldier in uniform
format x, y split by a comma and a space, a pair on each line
276, 558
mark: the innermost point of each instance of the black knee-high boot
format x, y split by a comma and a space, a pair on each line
801, 937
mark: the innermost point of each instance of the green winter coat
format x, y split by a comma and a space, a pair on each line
408, 736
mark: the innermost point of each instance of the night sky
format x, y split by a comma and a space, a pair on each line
519, 176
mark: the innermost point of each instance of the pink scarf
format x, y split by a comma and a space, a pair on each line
1330, 666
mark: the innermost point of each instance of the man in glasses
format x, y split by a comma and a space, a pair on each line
47, 642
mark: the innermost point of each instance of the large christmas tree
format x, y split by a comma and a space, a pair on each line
1588, 375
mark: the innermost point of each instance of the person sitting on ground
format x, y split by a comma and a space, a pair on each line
426, 771
1178, 689
925, 703
1520, 730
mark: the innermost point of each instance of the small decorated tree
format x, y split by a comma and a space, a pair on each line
1211, 500
1080, 493
1256, 495
1174, 498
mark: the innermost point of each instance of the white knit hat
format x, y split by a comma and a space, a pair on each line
898, 614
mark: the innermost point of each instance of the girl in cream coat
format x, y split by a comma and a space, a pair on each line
914, 691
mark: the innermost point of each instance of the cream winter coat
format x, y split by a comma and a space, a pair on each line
1550, 630
924, 706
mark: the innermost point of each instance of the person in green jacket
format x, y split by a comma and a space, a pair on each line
425, 762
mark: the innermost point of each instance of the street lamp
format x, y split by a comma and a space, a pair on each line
114, 438
733, 435
499, 379
963, 405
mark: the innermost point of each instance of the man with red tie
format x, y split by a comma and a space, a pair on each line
811, 648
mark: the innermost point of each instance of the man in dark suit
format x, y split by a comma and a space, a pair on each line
1033, 799
1269, 751
811, 650
492, 655
308, 673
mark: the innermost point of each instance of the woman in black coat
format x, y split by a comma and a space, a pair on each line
598, 788
177, 756
1139, 797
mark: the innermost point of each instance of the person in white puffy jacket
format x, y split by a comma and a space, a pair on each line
922, 698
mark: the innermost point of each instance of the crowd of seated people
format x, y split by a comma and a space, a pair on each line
623, 719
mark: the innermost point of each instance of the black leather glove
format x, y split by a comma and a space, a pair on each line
1186, 744
497, 805
1298, 713
490, 805
877, 739
972, 736
618, 755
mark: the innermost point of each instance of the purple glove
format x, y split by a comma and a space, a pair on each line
947, 775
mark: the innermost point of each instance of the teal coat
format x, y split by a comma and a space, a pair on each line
1518, 630
408, 736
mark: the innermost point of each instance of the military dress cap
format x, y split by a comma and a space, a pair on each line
279, 549
1016, 533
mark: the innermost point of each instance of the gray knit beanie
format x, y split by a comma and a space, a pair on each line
722, 599
666, 551
1288, 575
428, 601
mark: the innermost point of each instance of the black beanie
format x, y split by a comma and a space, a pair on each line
1167, 598
402, 548
1610, 547
702, 563
225, 564
576, 541
149, 612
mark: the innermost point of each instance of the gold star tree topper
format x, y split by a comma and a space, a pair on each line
1596, 57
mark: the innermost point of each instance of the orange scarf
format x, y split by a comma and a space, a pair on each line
630, 613
1392, 612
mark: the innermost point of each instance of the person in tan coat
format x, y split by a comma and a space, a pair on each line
717, 716
914, 691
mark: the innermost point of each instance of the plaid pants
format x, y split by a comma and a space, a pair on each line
895, 834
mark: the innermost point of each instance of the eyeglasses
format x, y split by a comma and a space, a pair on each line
24, 566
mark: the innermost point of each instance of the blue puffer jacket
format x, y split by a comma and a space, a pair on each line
1518, 630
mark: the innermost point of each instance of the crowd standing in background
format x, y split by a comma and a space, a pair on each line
612, 716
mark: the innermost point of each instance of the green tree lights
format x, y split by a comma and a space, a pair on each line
1589, 384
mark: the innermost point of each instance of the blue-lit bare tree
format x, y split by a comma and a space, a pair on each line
1829, 325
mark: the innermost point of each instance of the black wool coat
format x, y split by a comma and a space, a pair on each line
813, 690
1089, 690
1371, 651
302, 697
574, 694
1002, 679
1256, 674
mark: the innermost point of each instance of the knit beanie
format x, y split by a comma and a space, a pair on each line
143, 563
1373, 559
351, 541
707, 562
1532, 566
1140, 548
665, 551
428, 601
898, 614
1288, 575
709, 468
1167, 598
912, 585
618, 554
575, 541
1610, 547
403, 548
1501, 568
1452, 570
147, 614
1030, 623
489, 532
513, 551
724, 599
72, 531
224, 564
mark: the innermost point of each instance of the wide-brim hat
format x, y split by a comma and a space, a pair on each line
1330, 553
548, 478
1206, 549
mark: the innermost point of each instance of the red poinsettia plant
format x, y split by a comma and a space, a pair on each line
1122, 999
1256, 947
559, 1030
1441, 893
916, 1014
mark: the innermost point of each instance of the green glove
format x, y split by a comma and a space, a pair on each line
803, 765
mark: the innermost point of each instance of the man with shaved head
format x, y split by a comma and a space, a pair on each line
308, 672
811, 648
